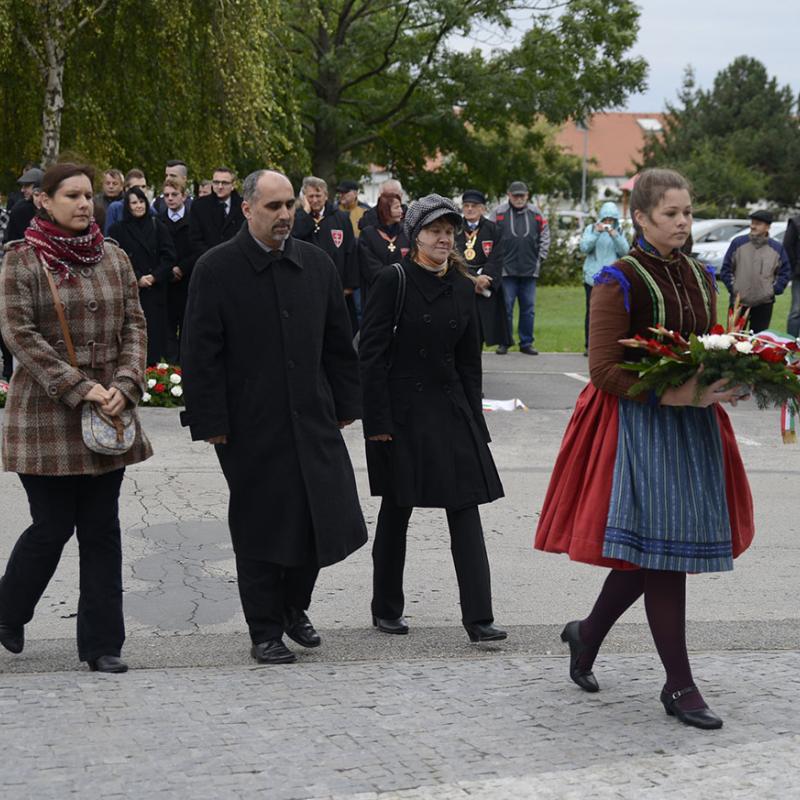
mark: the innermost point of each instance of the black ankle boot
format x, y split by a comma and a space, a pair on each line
399, 625
583, 677
484, 632
12, 637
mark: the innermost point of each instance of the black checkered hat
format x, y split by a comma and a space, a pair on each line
426, 210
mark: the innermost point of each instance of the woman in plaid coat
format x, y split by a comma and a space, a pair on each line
69, 487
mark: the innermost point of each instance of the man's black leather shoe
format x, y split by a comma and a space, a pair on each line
107, 664
399, 625
529, 350
484, 632
703, 718
299, 629
583, 677
12, 638
501, 350
273, 651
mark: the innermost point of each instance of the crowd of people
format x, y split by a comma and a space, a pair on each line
260, 296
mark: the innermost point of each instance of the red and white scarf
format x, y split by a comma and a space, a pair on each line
60, 253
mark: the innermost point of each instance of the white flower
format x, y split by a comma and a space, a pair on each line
162, 365
176, 391
744, 347
175, 378
146, 397
151, 383
717, 341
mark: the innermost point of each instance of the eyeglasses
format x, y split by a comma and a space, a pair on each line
222, 183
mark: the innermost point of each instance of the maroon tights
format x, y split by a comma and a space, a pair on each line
665, 604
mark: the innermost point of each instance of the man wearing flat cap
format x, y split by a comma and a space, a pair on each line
24, 210
481, 247
526, 242
348, 202
756, 269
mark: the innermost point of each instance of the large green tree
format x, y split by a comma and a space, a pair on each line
739, 141
147, 80
381, 80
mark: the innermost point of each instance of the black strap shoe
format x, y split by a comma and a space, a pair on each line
273, 651
484, 632
703, 718
529, 350
583, 677
399, 625
11, 637
299, 629
107, 664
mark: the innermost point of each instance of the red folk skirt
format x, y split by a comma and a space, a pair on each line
573, 518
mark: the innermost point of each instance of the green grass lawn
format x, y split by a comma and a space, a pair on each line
560, 309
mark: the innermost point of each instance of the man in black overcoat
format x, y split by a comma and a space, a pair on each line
218, 216
270, 378
332, 231
481, 247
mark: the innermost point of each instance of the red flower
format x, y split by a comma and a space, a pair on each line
159, 388
717, 329
161, 372
772, 355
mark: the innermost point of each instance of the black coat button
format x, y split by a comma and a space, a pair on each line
93, 305
453, 323
87, 272
285, 314
290, 364
426, 318
418, 387
296, 414
423, 353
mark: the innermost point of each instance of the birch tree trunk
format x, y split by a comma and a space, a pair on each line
54, 58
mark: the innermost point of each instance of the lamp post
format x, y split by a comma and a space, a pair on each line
582, 125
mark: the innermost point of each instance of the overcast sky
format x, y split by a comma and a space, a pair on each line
708, 34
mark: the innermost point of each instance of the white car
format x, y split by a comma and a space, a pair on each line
712, 237
712, 251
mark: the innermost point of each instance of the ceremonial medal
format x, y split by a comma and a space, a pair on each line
469, 245
390, 240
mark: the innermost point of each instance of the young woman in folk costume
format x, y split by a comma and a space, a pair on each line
651, 487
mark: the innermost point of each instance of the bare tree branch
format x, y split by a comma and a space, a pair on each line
89, 16
369, 138
37, 56
387, 50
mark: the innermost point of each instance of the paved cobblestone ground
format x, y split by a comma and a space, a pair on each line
371, 717
503, 727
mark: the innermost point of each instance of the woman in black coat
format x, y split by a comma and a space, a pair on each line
149, 246
382, 244
423, 418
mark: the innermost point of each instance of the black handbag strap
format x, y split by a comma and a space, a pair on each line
400, 297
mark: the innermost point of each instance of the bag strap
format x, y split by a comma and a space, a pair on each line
61, 318
400, 297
